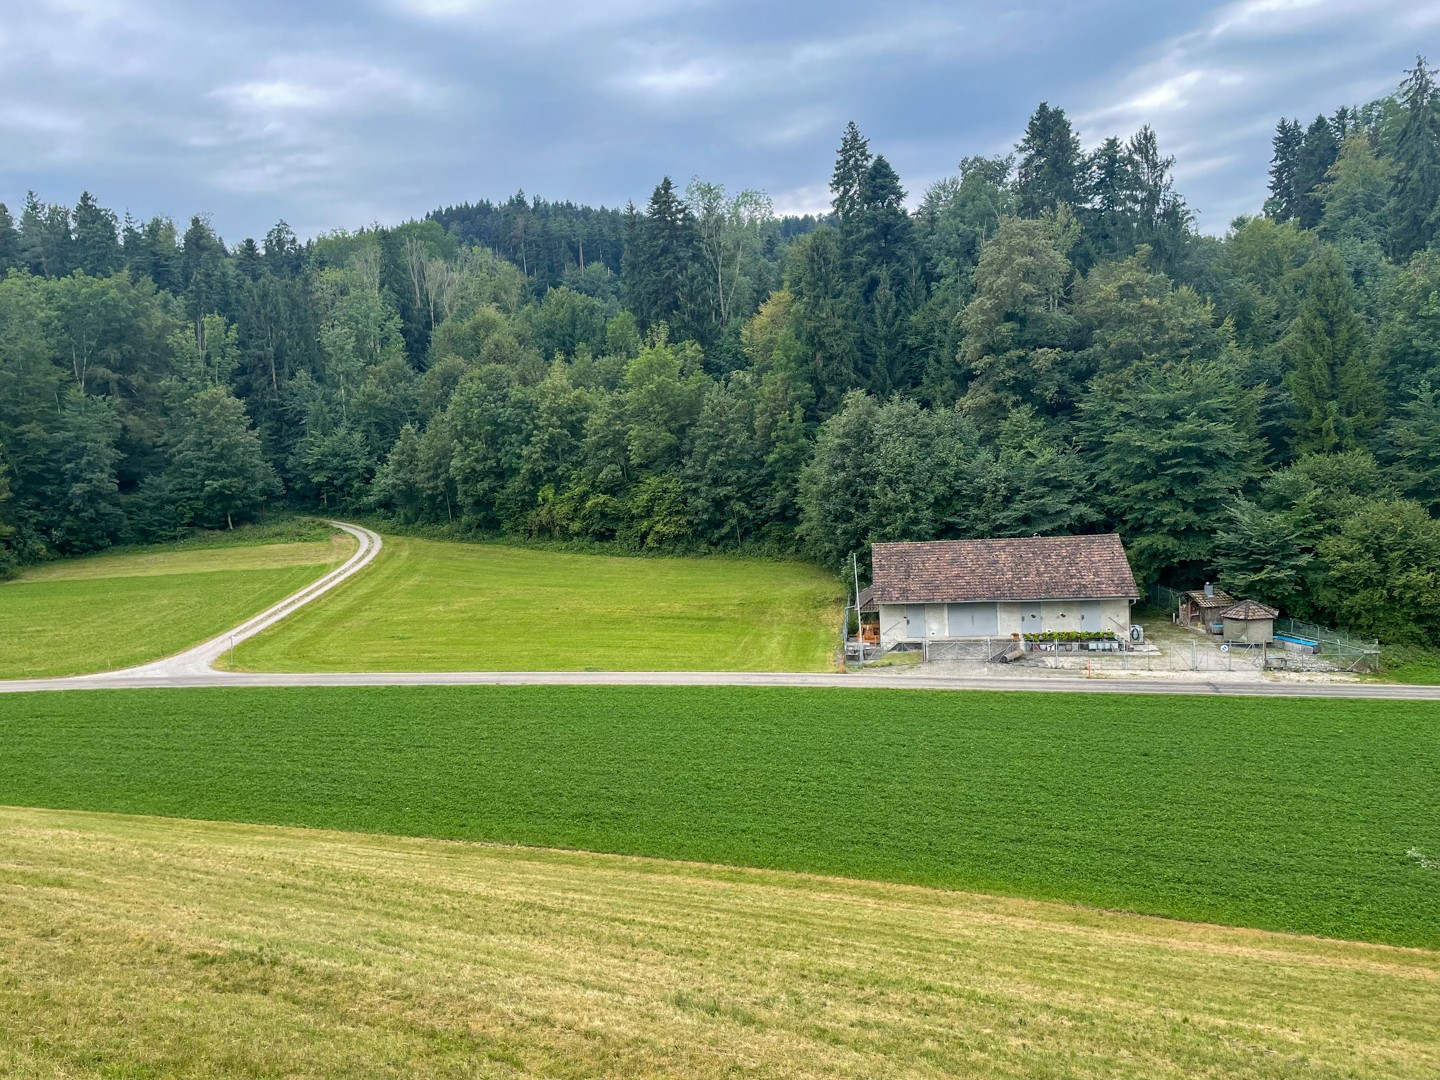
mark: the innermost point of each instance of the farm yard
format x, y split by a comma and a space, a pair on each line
1313, 817
435, 606
139, 947
110, 611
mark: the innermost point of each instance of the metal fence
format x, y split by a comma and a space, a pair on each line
1337, 648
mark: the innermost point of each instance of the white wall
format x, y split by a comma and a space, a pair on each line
1114, 615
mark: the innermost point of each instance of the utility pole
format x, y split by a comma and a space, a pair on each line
859, 629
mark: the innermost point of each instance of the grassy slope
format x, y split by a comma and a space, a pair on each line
433, 606
110, 611
1283, 814
135, 947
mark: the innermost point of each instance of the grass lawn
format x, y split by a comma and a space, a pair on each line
1316, 817
110, 611
135, 947
425, 605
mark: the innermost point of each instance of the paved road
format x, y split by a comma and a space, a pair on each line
195, 668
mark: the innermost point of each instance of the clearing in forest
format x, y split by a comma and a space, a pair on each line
427, 605
144, 947
103, 612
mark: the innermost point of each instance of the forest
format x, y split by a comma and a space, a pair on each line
1044, 344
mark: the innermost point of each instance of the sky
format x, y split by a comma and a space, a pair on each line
335, 114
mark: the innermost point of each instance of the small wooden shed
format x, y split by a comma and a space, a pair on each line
1249, 622
1202, 607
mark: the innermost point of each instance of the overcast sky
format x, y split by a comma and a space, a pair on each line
337, 113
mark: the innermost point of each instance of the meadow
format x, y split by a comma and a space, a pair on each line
427, 605
114, 610
1314, 817
139, 947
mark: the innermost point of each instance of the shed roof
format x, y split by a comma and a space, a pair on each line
1249, 609
1026, 568
1220, 599
866, 599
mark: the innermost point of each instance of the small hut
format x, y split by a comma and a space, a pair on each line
1202, 607
1249, 622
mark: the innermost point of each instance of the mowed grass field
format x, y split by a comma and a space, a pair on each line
433, 606
1315, 817
110, 611
138, 947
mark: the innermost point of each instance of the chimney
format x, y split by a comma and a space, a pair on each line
1209, 589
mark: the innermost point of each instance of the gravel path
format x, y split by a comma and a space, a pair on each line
196, 668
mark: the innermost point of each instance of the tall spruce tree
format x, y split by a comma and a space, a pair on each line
97, 248
1318, 152
9, 240
1283, 203
1328, 360
1051, 169
852, 169
1415, 193
660, 259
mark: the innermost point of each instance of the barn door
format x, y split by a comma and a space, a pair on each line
1090, 617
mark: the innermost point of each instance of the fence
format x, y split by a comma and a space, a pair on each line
1337, 648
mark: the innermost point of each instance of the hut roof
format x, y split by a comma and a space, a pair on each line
1249, 609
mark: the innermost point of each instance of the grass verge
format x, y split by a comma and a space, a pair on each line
427, 605
110, 611
133, 947
1308, 816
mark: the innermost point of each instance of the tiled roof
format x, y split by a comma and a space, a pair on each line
1220, 599
867, 598
1032, 568
1249, 609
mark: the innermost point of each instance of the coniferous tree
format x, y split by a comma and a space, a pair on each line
1283, 203
1318, 152
1328, 358
97, 248
659, 260
9, 241
1415, 194
851, 173
1050, 169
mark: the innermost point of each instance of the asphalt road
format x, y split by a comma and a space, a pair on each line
196, 668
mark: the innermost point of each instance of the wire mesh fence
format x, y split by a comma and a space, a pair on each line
1335, 648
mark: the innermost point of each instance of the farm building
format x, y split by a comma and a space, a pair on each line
1250, 622
949, 589
1202, 607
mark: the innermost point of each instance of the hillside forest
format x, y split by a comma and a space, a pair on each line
1045, 344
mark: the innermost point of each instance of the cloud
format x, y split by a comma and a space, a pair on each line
1215, 90
334, 113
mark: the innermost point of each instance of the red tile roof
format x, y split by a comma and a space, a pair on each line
1249, 609
1031, 568
1218, 598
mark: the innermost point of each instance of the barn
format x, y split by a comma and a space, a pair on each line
966, 589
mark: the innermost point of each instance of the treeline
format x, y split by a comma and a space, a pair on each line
1044, 345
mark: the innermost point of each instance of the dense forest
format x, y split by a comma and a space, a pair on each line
1045, 344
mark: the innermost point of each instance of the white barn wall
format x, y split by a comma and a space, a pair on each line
1114, 615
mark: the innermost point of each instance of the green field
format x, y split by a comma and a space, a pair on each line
432, 606
1309, 816
111, 611
137, 947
